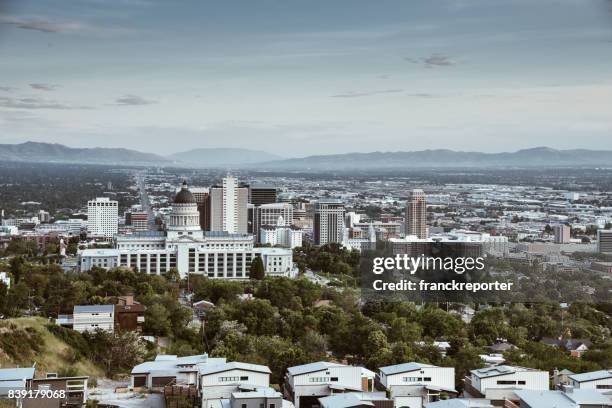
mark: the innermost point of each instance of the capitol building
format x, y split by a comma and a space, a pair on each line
189, 249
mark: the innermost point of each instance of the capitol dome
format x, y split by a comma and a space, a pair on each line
184, 196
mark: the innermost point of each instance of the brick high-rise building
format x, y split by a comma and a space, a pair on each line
416, 214
329, 222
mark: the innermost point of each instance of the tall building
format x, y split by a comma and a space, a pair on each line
416, 213
102, 217
202, 197
329, 222
228, 207
604, 241
562, 234
261, 194
270, 214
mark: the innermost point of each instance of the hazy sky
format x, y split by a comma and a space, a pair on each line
301, 77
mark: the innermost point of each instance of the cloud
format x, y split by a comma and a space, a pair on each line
35, 103
44, 87
435, 60
366, 93
44, 25
133, 100
7, 88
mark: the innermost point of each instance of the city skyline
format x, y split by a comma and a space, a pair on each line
307, 78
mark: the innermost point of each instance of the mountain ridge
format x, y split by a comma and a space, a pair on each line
541, 156
59, 153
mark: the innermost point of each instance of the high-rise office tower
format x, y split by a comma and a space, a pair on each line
228, 206
271, 215
261, 194
416, 214
604, 241
102, 217
329, 222
562, 234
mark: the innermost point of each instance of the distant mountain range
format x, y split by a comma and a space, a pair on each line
536, 157
57, 153
223, 157
254, 159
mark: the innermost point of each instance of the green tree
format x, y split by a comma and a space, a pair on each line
257, 270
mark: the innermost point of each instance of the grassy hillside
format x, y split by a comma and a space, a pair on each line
25, 341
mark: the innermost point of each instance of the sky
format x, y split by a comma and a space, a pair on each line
305, 77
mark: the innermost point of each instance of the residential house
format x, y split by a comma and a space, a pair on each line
560, 378
94, 317
129, 314
595, 380
202, 307
499, 383
501, 346
219, 381
305, 384
356, 400
560, 399
74, 396
413, 385
260, 398
171, 369
576, 347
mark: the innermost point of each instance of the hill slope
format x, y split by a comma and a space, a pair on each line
52, 152
25, 341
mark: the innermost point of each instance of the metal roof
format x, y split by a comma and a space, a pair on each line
343, 401
560, 399
312, 367
403, 368
94, 308
460, 403
499, 370
16, 374
592, 376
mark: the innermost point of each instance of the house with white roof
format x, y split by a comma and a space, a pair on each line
219, 381
560, 399
412, 385
499, 383
595, 380
305, 384
171, 369
94, 317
